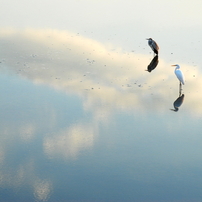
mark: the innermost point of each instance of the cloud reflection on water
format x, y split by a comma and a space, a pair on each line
70, 142
105, 78
72, 63
42, 189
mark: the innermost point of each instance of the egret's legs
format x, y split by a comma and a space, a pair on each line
180, 89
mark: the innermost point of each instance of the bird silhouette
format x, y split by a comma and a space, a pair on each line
177, 103
153, 64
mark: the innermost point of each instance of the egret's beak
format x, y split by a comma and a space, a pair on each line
173, 65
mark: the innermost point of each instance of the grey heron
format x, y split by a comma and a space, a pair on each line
154, 46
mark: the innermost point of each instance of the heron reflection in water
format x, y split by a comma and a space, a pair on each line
153, 64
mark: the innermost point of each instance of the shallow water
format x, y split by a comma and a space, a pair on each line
81, 119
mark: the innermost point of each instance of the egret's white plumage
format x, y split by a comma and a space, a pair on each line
154, 46
179, 74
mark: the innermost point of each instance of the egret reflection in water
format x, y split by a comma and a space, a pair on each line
178, 102
153, 64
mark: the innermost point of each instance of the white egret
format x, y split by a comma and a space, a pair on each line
154, 46
179, 74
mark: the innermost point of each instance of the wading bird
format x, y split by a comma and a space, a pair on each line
179, 75
154, 46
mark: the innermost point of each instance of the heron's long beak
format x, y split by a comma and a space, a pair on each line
147, 39
173, 65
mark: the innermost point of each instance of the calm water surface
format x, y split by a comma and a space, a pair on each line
81, 119
93, 125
